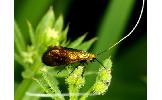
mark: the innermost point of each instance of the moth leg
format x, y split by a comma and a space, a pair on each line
84, 62
60, 70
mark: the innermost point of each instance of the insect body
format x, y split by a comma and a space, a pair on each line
58, 55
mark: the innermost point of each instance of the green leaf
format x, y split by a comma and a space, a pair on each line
18, 59
59, 24
18, 39
63, 36
31, 33
77, 42
46, 23
87, 44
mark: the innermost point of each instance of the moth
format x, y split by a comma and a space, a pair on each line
58, 55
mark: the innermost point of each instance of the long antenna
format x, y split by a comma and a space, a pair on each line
100, 62
129, 32
132, 29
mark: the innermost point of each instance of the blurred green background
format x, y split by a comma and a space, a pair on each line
109, 20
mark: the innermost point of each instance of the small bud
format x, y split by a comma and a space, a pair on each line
100, 88
28, 55
80, 82
104, 75
78, 71
76, 78
52, 34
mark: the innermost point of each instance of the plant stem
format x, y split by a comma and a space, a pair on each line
54, 87
73, 90
25, 84
86, 94
20, 92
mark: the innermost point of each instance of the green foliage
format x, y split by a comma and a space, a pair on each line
49, 31
77, 42
18, 39
113, 23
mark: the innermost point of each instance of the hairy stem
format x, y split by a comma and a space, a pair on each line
73, 90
